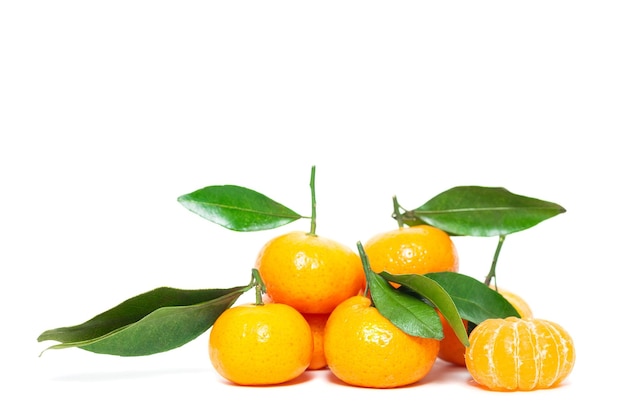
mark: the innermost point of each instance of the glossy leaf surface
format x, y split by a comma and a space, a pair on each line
410, 314
474, 300
238, 208
481, 211
153, 322
437, 295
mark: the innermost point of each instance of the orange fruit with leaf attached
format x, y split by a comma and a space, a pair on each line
318, 324
311, 273
412, 250
365, 349
263, 344
453, 351
516, 354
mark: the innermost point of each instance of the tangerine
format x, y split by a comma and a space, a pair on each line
311, 273
450, 347
365, 349
519, 354
412, 250
260, 344
317, 323
522, 307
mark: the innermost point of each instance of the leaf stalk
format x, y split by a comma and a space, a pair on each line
258, 285
492, 271
396, 212
313, 203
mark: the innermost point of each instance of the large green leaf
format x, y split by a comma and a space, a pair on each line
437, 295
238, 208
410, 314
156, 321
474, 300
481, 211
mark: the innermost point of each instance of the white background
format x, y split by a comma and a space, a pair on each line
111, 110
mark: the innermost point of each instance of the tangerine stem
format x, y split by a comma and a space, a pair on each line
258, 286
396, 212
313, 203
492, 272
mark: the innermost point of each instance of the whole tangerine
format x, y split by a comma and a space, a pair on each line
365, 349
260, 344
311, 273
412, 250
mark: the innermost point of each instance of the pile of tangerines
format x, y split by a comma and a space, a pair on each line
322, 305
314, 312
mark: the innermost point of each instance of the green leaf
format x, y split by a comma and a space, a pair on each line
238, 208
474, 300
481, 211
408, 313
437, 295
153, 322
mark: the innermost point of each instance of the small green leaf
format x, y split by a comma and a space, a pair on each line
474, 300
153, 322
410, 314
238, 208
437, 295
481, 211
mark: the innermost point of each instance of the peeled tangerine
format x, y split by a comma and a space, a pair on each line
519, 354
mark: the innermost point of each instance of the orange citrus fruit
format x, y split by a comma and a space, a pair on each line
522, 307
363, 348
261, 344
519, 354
311, 273
412, 250
317, 323
453, 351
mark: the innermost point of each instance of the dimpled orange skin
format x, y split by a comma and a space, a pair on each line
516, 354
365, 349
412, 250
451, 349
522, 307
260, 344
311, 273
317, 323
